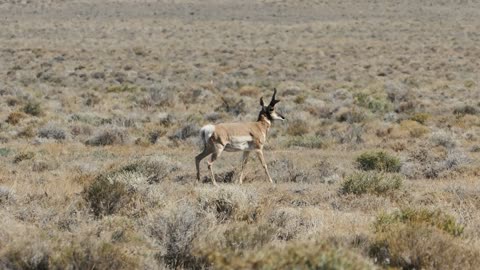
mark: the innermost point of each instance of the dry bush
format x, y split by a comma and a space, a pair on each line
24, 155
6, 195
109, 136
298, 127
105, 196
465, 109
379, 161
293, 256
412, 129
284, 171
291, 222
401, 247
27, 132
15, 117
430, 163
351, 115
443, 138
435, 218
232, 203
52, 131
396, 242
175, 232
420, 118
371, 182
62, 254
81, 129
307, 141
154, 169
232, 105
185, 132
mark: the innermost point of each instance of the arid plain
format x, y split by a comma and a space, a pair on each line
377, 164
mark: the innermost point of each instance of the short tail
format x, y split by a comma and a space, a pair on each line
205, 133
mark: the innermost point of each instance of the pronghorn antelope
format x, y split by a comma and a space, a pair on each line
232, 137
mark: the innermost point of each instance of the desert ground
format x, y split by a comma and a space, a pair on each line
377, 165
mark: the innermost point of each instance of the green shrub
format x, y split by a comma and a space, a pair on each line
373, 103
371, 182
106, 197
33, 108
435, 218
5, 151
379, 161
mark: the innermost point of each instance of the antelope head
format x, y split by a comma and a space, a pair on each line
269, 111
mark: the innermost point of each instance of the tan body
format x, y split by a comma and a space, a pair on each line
233, 137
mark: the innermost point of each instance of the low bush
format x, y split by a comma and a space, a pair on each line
306, 141
465, 109
435, 218
106, 197
51, 131
298, 128
379, 161
175, 231
371, 182
23, 156
421, 239
33, 108
109, 136
293, 256
185, 132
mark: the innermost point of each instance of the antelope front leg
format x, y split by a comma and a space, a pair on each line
264, 164
244, 162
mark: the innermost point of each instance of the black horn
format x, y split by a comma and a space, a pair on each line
274, 101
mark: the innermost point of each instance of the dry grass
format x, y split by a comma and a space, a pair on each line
101, 102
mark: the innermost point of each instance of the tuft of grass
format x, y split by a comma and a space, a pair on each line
371, 182
379, 161
15, 117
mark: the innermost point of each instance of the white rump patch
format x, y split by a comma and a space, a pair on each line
206, 132
239, 143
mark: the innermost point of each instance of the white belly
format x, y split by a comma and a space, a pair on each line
240, 143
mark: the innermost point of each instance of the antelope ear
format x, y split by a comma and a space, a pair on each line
262, 103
